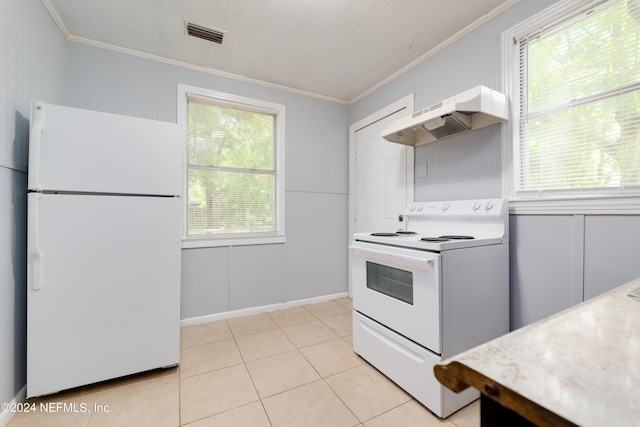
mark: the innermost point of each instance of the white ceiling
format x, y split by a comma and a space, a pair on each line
335, 49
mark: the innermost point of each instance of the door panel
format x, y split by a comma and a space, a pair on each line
104, 297
381, 178
610, 252
395, 200
365, 192
410, 304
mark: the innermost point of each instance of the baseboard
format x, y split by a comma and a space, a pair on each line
5, 417
261, 309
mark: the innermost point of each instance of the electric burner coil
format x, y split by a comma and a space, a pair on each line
446, 238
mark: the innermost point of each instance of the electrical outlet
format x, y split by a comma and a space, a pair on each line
421, 170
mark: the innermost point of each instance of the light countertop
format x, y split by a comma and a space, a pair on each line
581, 365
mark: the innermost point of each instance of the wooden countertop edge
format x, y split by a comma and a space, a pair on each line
457, 377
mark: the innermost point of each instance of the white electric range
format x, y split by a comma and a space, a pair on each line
429, 291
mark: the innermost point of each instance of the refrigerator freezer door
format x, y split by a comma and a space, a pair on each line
104, 297
73, 150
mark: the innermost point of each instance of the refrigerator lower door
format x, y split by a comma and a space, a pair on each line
103, 293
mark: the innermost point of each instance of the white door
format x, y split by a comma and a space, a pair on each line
381, 179
374, 202
103, 290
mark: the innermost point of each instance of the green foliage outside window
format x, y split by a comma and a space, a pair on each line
231, 170
580, 103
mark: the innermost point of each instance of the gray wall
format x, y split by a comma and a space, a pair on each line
556, 261
32, 66
313, 261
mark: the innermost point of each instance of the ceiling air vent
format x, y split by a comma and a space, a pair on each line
200, 31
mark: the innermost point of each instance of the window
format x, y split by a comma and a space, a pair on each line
574, 84
234, 183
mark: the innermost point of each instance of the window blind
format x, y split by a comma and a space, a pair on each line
579, 90
232, 169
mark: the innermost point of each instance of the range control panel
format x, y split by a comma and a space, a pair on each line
456, 208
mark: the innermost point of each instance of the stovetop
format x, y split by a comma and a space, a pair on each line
446, 224
416, 242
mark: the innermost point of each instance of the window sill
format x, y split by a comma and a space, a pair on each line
209, 242
577, 205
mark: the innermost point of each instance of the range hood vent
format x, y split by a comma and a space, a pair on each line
206, 33
470, 110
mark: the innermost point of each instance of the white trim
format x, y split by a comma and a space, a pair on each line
265, 106
56, 18
258, 310
471, 27
201, 69
508, 58
256, 104
602, 205
556, 12
5, 417
406, 103
194, 242
577, 287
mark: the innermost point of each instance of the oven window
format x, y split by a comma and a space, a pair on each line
390, 281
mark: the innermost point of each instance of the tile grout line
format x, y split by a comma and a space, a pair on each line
321, 377
343, 338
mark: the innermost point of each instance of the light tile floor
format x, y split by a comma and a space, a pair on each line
293, 367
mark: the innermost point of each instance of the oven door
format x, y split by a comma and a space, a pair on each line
399, 288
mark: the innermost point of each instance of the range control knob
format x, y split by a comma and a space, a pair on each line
412, 208
476, 206
488, 206
420, 207
445, 206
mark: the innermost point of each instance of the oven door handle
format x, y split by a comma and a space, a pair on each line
414, 263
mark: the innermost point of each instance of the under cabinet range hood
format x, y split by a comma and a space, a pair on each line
469, 110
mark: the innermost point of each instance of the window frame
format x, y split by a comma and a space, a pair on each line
252, 104
597, 201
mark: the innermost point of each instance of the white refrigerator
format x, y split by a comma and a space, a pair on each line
104, 230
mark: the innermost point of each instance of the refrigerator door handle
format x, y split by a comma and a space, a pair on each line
35, 255
37, 125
